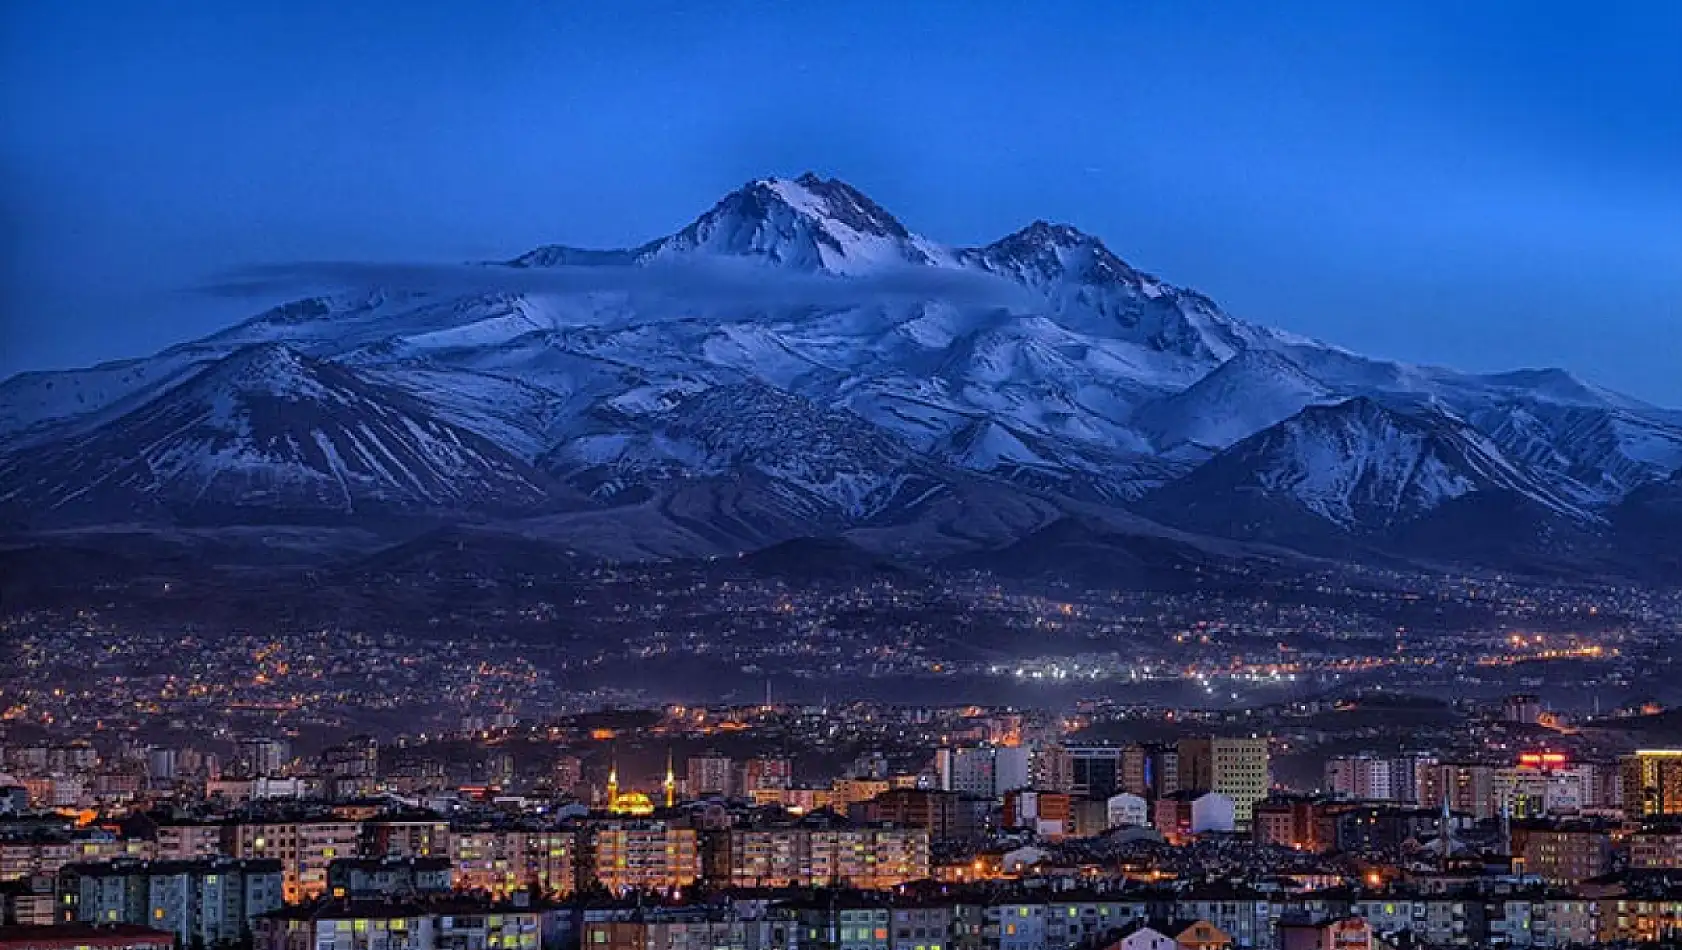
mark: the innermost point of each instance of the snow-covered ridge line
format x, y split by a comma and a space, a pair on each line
800, 337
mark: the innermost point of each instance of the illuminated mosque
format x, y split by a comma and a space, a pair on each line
635, 803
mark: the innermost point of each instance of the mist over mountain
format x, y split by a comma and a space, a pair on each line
797, 363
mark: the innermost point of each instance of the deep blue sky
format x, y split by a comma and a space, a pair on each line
1486, 185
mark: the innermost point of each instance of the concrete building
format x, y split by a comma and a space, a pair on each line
640, 854
1562, 853
1190, 812
709, 775
1235, 768
204, 902
1652, 783
1127, 810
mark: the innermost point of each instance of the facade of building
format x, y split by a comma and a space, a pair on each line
1236, 768
709, 775
1652, 783
204, 902
1562, 853
500, 861
1188, 813
641, 854
304, 849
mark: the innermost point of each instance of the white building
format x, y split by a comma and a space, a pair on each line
1127, 810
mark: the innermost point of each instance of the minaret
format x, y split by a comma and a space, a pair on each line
613, 783
671, 781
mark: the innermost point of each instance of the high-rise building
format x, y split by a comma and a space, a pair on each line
264, 756
567, 774
1562, 854
1543, 783
869, 857
1407, 774
501, 861
406, 836
1652, 783
1135, 766
1235, 768
204, 903
161, 764
1655, 849
1150, 769
1523, 708
641, 855
1360, 777
1012, 768
971, 770
766, 772
1468, 787
1094, 770
1053, 769
1291, 822
708, 775
304, 848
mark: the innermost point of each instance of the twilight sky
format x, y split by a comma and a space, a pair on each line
1485, 185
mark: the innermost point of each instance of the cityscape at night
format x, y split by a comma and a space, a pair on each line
499, 476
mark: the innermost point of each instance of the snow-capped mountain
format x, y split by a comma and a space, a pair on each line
267, 429
799, 344
1358, 467
1244, 395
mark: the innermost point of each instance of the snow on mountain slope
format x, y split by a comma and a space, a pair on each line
1597, 454
52, 404
1089, 287
1359, 466
269, 429
1246, 394
1060, 467
1103, 384
808, 223
843, 467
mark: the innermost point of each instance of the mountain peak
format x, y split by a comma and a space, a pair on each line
1042, 231
1059, 250
834, 200
807, 223
271, 366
